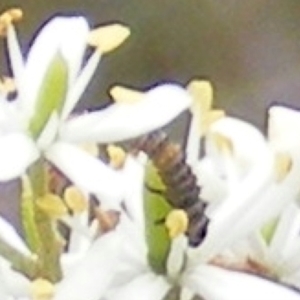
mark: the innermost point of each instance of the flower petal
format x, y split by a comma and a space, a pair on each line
17, 152
214, 283
94, 273
122, 121
87, 172
151, 286
57, 36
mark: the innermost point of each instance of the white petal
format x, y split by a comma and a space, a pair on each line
56, 36
250, 205
122, 121
87, 172
214, 283
148, 286
17, 152
134, 175
10, 236
94, 273
16, 57
281, 125
244, 137
80, 84
285, 243
49, 132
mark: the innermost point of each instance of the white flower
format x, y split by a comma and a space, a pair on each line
87, 271
273, 250
249, 180
49, 84
185, 275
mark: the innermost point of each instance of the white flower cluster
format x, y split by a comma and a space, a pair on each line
250, 182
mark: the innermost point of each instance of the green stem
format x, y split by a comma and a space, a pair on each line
39, 227
18, 260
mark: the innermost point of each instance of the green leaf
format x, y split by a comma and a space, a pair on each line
156, 209
52, 94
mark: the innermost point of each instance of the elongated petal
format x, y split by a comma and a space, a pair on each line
237, 139
149, 285
56, 37
214, 283
80, 84
134, 175
87, 172
94, 273
122, 121
17, 152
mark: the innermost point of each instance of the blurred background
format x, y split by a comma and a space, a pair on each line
249, 50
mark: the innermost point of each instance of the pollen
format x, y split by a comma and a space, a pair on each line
42, 289
75, 200
177, 223
52, 205
117, 156
8, 17
108, 38
122, 94
283, 165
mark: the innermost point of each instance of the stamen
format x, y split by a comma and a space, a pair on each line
177, 222
42, 289
75, 200
8, 17
283, 165
53, 205
117, 156
107, 38
122, 94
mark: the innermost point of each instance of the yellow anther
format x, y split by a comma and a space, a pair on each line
221, 142
122, 94
8, 17
42, 289
117, 156
75, 199
202, 94
283, 165
52, 205
107, 38
91, 148
177, 222
7, 85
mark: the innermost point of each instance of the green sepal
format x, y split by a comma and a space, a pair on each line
156, 209
268, 230
51, 95
28, 216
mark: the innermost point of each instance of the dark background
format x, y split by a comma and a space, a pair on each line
249, 50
